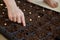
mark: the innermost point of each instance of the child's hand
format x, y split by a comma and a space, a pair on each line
16, 15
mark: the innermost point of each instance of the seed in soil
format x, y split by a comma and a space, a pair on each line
38, 16
18, 1
3, 13
30, 20
43, 10
1, 4
24, 10
5, 24
30, 13
24, 4
30, 6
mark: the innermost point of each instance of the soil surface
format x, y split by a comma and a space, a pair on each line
42, 23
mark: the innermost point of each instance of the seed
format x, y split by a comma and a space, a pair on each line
30, 13
1, 4
24, 4
18, 1
30, 19
38, 16
30, 6
43, 10
5, 24
24, 10
2, 12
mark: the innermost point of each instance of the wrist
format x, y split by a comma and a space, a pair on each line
10, 4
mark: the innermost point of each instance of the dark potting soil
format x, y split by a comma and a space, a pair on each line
42, 23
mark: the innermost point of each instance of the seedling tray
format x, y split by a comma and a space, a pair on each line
41, 23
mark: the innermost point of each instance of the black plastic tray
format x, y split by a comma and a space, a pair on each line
44, 24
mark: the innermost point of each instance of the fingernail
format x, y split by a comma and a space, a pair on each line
24, 24
19, 22
14, 20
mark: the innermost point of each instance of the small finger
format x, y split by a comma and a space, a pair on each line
23, 20
19, 19
11, 18
14, 19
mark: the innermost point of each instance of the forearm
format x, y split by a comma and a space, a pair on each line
10, 3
